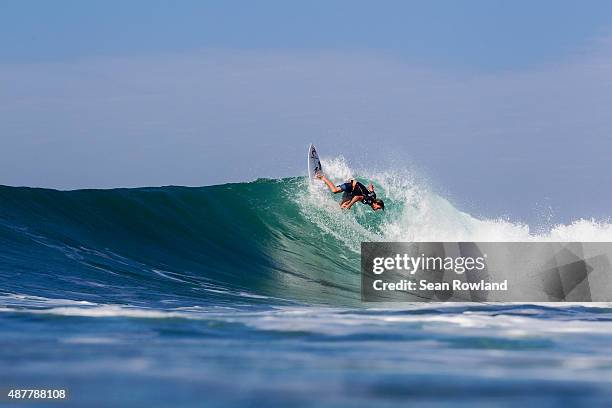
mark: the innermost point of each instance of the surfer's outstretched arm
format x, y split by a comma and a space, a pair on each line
334, 189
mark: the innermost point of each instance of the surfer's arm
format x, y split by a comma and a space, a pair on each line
353, 201
332, 187
371, 187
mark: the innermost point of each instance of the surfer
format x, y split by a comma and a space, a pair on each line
354, 192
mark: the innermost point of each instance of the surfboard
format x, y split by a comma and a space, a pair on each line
314, 164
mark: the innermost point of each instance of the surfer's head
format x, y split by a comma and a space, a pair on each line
378, 204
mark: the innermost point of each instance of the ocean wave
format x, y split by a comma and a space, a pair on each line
267, 241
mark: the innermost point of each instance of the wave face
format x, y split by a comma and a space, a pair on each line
268, 241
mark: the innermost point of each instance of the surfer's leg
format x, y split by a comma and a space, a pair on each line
334, 189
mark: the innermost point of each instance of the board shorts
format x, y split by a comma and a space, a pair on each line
347, 189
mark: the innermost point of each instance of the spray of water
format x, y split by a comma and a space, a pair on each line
415, 213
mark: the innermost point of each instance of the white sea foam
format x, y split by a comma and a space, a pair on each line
415, 213
506, 322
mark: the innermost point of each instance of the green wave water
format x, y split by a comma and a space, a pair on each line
138, 244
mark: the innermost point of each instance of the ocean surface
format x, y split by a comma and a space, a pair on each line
248, 294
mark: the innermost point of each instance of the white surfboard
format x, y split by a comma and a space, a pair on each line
314, 164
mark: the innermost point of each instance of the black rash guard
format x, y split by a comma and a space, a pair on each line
358, 190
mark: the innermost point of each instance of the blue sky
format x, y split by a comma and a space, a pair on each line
504, 105
471, 34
